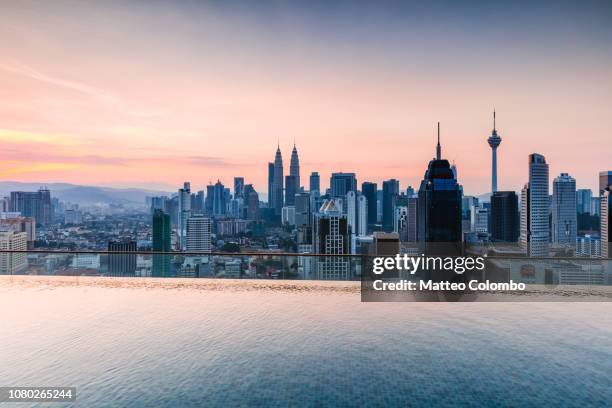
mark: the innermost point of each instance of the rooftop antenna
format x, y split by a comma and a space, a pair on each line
493, 119
438, 148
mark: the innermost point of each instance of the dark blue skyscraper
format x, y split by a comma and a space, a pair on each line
219, 199
390, 193
369, 191
315, 182
342, 183
208, 200
290, 190
504, 216
270, 183
439, 207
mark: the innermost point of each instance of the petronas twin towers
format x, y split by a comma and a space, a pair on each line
289, 184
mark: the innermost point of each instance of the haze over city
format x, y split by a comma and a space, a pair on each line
150, 95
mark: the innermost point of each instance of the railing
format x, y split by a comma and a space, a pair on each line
272, 265
182, 264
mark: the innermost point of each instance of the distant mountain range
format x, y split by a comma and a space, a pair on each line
84, 195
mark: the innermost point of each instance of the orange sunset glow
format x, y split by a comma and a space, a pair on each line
98, 94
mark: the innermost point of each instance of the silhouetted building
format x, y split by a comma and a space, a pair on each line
315, 182
390, 192
504, 216
219, 200
369, 191
342, 183
208, 201
290, 190
439, 207
270, 184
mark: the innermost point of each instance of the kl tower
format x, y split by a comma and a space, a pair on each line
494, 141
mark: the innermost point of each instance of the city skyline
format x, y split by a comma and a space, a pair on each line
132, 101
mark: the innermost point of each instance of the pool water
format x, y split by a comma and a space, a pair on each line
158, 347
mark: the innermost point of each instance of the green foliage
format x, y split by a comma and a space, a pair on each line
230, 247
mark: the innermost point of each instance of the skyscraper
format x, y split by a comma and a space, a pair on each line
208, 201
315, 182
219, 200
369, 191
184, 211
161, 243
583, 200
252, 202
238, 187
302, 209
504, 216
494, 141
439, 207
564, 210
342, 183
198, 233
534, 208
411, 219
35, 204
270, 184
294, 168
390, 193
277, 183
291, 187
197, 202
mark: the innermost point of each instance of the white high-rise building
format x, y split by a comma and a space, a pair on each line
564, 222
605, 223
479, 219
13, 262
534, 209
198, 234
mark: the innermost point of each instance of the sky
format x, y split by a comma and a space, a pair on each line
150, 94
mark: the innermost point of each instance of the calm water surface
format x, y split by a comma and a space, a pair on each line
172, 348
